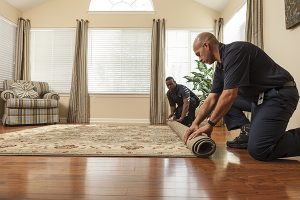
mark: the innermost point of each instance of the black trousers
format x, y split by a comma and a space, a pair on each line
235, 117
188, 120
268, 138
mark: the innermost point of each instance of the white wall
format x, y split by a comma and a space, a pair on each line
178, 13
231, 8
282, 44
63, 13
9, 12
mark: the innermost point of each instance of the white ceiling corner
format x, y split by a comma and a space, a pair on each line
24, 5
217, 5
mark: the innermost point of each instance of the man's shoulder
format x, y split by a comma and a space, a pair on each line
240, 45
181, 86
168, 93
183, 90
238, 48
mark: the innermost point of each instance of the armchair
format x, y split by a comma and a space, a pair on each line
29, 102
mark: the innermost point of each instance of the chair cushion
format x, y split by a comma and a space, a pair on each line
24, 90
31, 103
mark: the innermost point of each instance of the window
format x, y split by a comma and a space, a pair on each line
119, 61
52, 52
7, 50
234, 29
121, 5
180, 56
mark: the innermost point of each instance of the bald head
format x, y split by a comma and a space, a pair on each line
206, 47
205, 37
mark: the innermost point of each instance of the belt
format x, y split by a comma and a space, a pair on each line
287, 84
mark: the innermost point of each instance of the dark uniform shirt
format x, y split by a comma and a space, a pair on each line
247, 67
181, 92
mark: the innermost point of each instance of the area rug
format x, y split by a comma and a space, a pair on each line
94, 140
201, 146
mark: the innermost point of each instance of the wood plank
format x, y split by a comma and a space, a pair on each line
228, 174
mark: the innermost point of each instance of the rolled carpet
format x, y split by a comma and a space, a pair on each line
201, 146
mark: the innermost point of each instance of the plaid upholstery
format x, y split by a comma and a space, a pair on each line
51, 95
7, 94
43, 110
31, 103
18, 112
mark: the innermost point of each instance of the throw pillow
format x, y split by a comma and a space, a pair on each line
24, 90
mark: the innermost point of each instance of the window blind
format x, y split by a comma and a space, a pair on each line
52, 53
7, 50
180, 60
119, 61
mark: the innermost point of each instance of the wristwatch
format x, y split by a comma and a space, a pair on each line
211, 122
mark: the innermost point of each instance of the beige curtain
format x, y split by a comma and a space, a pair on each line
157, 85
79, 110
22, 66
219, 29
254, 22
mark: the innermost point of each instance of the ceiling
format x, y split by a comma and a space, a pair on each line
24, 5
217, 5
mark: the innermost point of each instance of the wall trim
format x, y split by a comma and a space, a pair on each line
63, 120
113, 120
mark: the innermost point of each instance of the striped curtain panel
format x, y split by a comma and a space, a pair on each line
218, 31
157, 88
22, 66
219, 24
254, 22
79, 109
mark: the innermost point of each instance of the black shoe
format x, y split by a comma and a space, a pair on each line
241, 141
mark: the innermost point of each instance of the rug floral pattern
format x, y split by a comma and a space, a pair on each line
94, 140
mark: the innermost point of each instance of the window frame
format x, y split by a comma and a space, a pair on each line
13, 61
190, 51
73, 30
122, 93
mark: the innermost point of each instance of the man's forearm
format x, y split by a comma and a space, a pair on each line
173, 108
185, 109
224, 104
206, 108
204, 111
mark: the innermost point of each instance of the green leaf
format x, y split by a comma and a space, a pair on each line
201, 79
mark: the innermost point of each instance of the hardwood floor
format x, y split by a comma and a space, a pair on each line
228, 174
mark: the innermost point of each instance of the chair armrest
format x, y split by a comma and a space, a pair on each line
7, 94
51, 95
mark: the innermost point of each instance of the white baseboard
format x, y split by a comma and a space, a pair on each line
119, 120
113, 120
63, 120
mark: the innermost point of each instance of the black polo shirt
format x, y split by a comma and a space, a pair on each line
181, 92
247, 67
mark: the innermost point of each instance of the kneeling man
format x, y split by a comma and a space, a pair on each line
183, 102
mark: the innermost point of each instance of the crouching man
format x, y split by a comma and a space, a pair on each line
183, 102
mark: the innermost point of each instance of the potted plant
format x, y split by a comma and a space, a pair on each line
201, 79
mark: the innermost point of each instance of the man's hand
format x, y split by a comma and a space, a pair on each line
207, 129
179, 120
170, 117
188, 132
